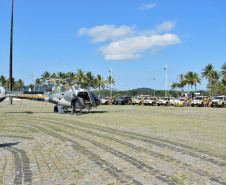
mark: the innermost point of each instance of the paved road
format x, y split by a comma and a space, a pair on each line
36, 149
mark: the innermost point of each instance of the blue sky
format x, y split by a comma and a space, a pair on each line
136, 38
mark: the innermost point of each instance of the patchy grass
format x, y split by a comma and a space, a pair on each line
199, 127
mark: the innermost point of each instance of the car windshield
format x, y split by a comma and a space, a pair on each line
182, 99
164, 98
138, 98
198, 98
106, 98
150, 99
219, 98
120, 98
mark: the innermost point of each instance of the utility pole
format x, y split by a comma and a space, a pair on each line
34, 80
11, 56
165, 68
154, 85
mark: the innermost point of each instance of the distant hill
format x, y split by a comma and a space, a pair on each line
143, 89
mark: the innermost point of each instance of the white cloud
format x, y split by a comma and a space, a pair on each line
129, 49
157, 51
161, 28
148, 6
127, 43
107, 32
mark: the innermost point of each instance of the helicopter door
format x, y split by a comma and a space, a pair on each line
92, 99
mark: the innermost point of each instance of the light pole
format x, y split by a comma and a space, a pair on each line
34, 80
165, 68
11, 56
110, 71
154, 85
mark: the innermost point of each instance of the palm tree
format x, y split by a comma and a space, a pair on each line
180, 77
207, 73
53, 76
89, 78
100, 82
20, 83
45, 76
7, 82
223, 73
3, 80
174, 85
38, 82
197, 79
31, 86
189, 79
214, 77
71, 75
80, 76
181, 85
61, 75
110, 81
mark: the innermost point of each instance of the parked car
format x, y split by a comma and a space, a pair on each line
105, 101
163, 101
175, 101
171, 100
150, 101
179, 102
218, 101
199, 101
137, 101
122, 100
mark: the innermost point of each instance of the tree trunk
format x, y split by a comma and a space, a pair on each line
188, 88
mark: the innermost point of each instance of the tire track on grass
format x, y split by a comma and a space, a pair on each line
138, 164
108, 167
23, 173
146, 140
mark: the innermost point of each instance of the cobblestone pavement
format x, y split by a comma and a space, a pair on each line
38, 146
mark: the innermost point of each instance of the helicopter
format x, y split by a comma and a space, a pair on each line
60, 95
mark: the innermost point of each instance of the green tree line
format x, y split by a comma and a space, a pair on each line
216, 80
84, 80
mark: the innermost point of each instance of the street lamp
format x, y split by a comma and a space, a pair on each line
154, 85
165, 68
11, 56
110, 71
34, 80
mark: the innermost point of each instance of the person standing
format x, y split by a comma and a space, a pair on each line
205, 102
191, 99
73, 103
132, 101
185, 101
156, 101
